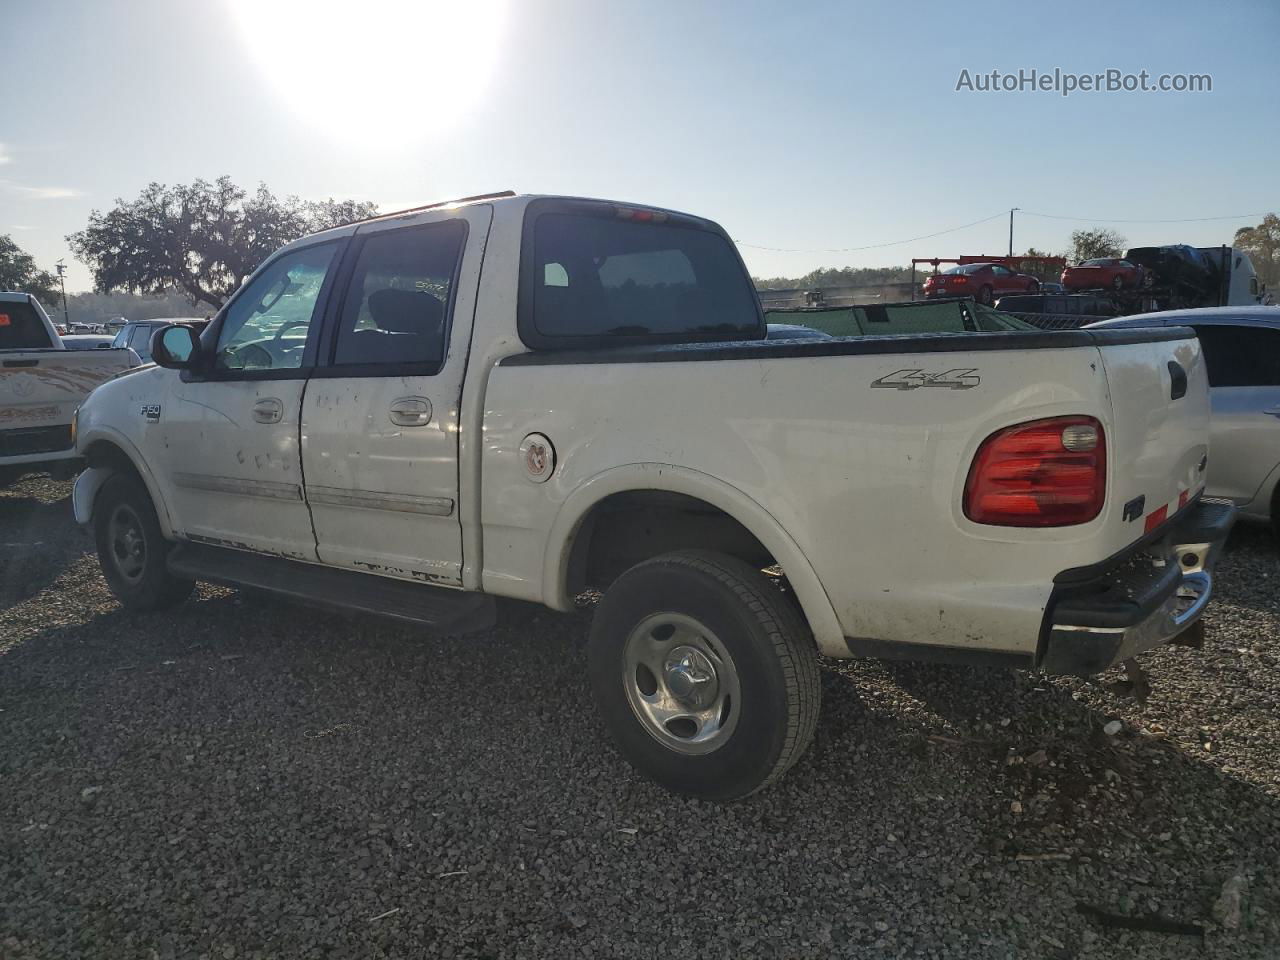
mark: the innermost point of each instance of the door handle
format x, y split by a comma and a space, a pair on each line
268, 410
410, 412
1177, 381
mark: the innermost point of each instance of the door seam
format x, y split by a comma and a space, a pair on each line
302, 469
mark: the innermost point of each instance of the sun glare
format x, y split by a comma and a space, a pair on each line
374, 73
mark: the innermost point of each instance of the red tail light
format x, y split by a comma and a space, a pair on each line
959, 279
1045, 473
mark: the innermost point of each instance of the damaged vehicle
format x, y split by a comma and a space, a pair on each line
537, 397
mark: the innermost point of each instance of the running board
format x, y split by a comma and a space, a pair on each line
439, 608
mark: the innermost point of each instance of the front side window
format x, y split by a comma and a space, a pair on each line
396, 306
266, 325
603, 276
1239, 356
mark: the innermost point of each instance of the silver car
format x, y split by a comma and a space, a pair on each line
1241, 347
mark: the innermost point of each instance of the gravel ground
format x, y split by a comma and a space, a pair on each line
242, 778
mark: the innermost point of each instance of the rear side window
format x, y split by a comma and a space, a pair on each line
592, 279
397, 304
1240, 356
21, 327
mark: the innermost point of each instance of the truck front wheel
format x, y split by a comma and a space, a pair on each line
706, 675
131, 548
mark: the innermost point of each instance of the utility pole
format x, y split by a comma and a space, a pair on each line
1011, 230
66, 317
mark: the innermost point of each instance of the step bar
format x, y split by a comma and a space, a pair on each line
439, 609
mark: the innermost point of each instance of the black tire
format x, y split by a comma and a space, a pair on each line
984, 295
131, 548
771, 657
1033, 286
1117, 282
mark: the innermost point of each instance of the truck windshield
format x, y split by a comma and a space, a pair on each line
21, 327
602, 276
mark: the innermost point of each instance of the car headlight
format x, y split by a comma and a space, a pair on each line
75, 424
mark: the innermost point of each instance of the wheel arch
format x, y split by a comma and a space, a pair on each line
573, 521
106, 454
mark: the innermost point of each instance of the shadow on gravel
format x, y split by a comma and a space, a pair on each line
33, 534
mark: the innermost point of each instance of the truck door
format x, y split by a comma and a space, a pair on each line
380, 416
228, 435
1243, 363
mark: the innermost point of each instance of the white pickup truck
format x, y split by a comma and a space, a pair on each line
41, 384
535, 397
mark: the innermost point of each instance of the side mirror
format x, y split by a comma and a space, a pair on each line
176, 347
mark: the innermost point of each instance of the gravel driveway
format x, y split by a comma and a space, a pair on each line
243, 778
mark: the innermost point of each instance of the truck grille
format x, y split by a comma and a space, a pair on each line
29, 440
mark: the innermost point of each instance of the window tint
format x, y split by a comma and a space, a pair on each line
265, 327
1240, 356
1001, 271
396, 306
121, 338
21, 327
600, 276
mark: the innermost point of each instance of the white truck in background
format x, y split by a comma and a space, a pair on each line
533, 397
41, 384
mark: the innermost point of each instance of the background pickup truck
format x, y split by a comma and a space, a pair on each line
537, 397
41, 384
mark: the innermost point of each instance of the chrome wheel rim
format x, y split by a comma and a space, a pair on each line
127, 542
681, 683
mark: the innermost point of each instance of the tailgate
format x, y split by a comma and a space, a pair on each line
41, 388
1158, 438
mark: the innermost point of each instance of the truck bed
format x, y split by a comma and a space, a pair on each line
860, 449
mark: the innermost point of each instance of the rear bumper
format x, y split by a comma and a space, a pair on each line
1149, 596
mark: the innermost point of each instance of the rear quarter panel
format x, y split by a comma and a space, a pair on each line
866, 477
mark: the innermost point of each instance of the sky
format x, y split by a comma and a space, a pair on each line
815, 129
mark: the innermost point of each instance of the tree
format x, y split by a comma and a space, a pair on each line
18, 272
1098, 242
1262, 243
202, 238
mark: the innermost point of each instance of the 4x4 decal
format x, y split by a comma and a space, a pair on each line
911, 379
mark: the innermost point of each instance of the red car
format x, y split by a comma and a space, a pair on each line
1103, 273
982, 281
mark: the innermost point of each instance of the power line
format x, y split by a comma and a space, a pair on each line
872, 246
1234, 216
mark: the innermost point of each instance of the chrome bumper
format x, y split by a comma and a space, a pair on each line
1152, 595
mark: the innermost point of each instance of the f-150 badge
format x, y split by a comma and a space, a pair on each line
910, 379
151, 412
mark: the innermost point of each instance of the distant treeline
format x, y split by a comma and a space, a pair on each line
837, 277
101, 307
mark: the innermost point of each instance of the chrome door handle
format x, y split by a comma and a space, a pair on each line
410, 412
269, 410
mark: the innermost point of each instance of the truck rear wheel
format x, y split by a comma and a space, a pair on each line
706, 675
131, 548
